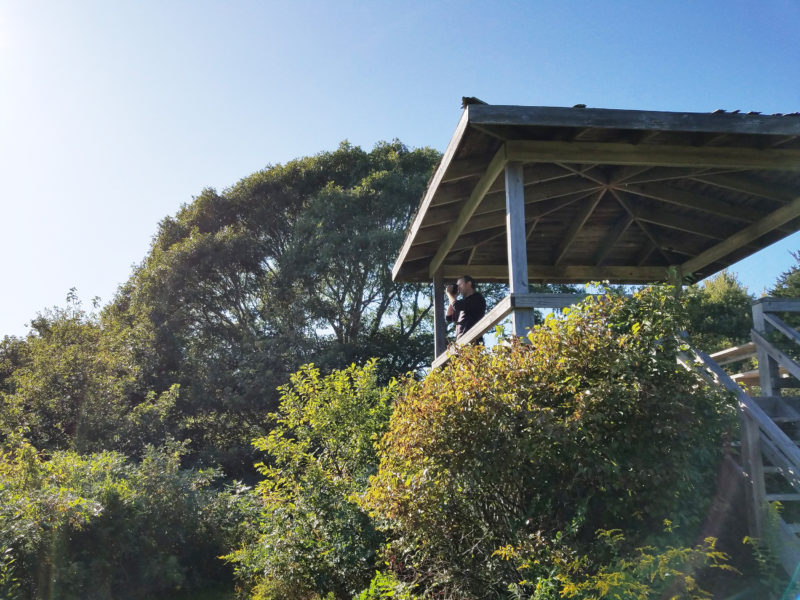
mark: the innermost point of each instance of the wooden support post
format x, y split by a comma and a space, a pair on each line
439, 324
754, 467
767, 366
522, 318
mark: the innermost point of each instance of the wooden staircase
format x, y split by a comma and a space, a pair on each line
770, 424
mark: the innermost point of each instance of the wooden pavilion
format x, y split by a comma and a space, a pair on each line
527, 193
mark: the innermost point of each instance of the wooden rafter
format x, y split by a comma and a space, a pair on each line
674, 221
618, 196
656, 174
591, 173
612, 237
687, 199
743, 237
495, 168
575, 226
463, 169
747, 185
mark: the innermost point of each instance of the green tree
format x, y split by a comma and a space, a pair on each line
719, 312
69, 384
291, 265
788, 283
313, 539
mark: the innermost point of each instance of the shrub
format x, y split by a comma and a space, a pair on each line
591, 425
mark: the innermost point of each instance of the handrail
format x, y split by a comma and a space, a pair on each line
501, 310
748, 407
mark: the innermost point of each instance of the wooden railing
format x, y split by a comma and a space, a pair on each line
762, 438
505, 307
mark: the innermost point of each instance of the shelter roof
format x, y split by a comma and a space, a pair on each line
620, 195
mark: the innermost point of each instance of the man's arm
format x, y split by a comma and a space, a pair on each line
450, 314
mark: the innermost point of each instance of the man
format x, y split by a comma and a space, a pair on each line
469, 309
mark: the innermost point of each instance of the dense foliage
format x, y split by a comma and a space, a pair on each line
592, 425
312, 537
98, 526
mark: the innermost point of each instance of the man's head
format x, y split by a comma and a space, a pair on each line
466, 285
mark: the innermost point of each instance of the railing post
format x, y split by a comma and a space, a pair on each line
754, 468
522, 318
439, 325
767, 366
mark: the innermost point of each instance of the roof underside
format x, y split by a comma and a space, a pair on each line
609, 194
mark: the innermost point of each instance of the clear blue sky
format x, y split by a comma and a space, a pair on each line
114, 113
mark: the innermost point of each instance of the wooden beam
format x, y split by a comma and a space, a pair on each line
743, 237
673, 156
751, 186
495, 167
602, 118
577, 273
610, 240
686, 199
575, 226
448, 155
517, 250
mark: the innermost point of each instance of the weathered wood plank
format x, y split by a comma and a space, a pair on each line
603, 118
495, 167
447, 157
745, 236
735, 353
654, 155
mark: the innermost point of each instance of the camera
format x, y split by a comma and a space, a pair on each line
452, 289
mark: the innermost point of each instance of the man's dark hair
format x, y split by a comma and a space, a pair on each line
468, 279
